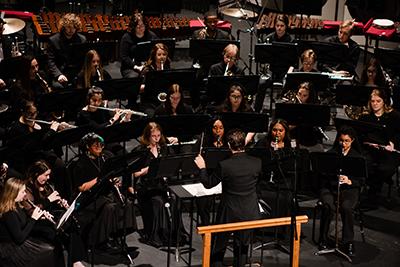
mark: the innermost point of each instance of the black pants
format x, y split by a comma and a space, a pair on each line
348, 201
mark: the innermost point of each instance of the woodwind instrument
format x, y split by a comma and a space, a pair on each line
124, 110
67, 125
382, 147
98, 74
43, 83
46, 214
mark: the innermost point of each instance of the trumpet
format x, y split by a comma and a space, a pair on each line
162, 97
46, 214
124, 110
15, 48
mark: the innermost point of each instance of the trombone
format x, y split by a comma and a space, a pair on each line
126, 111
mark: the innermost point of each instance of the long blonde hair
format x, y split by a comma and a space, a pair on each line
9, 194
87, 68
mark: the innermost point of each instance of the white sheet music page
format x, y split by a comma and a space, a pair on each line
198, 189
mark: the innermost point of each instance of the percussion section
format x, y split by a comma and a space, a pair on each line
108, 27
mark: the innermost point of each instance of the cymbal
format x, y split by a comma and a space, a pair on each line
13, 25
239, 13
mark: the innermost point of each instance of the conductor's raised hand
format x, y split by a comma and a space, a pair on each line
199, 160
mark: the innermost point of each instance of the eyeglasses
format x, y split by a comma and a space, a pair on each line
236, 96
98, 144
347, 141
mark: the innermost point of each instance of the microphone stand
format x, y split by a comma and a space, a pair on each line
336, 248
294, 203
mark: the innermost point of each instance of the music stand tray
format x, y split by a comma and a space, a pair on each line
277, 54
120, 88
247, 122
190, 124
329, 53
143, 49
319, 81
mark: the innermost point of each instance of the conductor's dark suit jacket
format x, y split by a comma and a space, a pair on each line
239, 175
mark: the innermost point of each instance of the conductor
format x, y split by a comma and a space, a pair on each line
239, 175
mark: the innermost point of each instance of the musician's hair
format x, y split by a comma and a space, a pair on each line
347, 130
311, 93
88, 140
87, 67
244, 105
150, 127
37, 168
69, 19
9, 193
174, 88
229, 47
210, 13
94, 90
348, 23
236, 139
380, 77
308, 54
380, 92
285, 125
153, 53
135, 19
282, 18
26, 105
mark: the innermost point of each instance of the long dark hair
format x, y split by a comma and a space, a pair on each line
175, 88
244, 106
286, 139
379, 79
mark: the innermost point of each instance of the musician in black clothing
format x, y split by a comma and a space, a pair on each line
349, 64
152, 191
346, 145
382, 163
174, 103
239, 202
92, 71
62, 64
137, 32
210, 31
280, 34
100, 213
17, 247
229, 65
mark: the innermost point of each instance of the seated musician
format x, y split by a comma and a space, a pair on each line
101, 214
43, 195
92, 71
229, 65
137, 32
210, 30
17, 247
382, 163
21, 130
62, 67
349, 64
346, 145
280, 34
158, 60
307, 59
273, 187
373, 74
93, 114
153, 191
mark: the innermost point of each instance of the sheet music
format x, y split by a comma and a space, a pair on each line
198, 189
68, 213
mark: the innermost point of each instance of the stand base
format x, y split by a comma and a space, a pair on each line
275, 244
177, 251
333, 250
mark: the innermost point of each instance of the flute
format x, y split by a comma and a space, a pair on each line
125, 110
381, 147
46, 214
67, 125
192, 142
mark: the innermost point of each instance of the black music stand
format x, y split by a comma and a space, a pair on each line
69, 100
333, 165
170, 170
218, 86
318, 81
124, 88
279, 55
143, 49
190, 124
212, 156
389, 58
247, 122
106, 50
356, 95
328, 53
208, 51
159, 81
366, 131
295, 114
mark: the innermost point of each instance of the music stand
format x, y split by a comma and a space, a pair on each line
333, 165
190, 124
356, 95
295, 114
247, 122
143, 49
77, 52
212, 156
318, 81
124, 88
389, 58
279, 55
366, 131
328, 53
159, 81
173, 167
218, 86
208, 51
